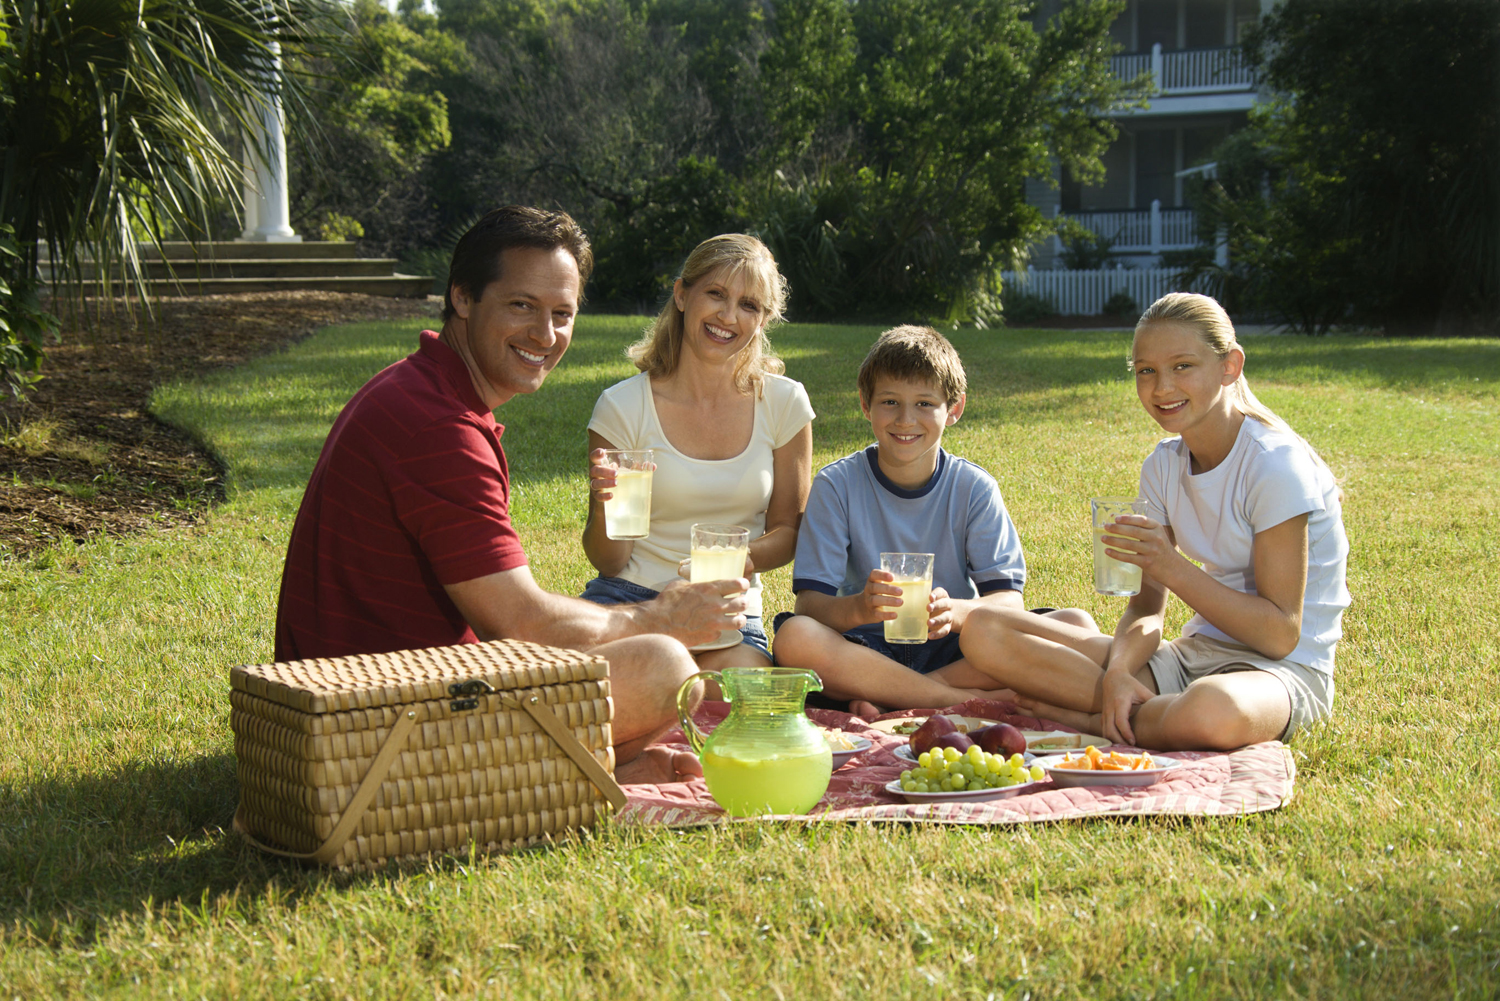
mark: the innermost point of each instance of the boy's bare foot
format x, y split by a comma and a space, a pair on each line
864, 710
659, 764
1081, 721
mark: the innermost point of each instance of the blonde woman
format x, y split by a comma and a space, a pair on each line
732, 436
1240, 493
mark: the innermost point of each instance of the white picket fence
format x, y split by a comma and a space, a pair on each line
1083, 293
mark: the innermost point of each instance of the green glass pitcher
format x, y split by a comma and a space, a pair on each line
767, 756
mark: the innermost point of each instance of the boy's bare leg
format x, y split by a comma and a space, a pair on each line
644, 675
1041, 657
855, 672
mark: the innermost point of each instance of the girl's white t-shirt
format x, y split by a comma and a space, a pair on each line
1269, 476
685, 490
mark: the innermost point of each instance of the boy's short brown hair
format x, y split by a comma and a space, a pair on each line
916, 353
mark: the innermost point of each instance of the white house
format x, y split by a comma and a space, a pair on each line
1201, 91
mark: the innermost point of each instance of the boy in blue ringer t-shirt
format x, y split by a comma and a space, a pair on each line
902, 494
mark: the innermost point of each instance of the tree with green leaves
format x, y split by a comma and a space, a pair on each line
372, 118
905, 132
119, 121
1368, 192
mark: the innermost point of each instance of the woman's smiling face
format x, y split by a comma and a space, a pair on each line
721, 314
1179, 380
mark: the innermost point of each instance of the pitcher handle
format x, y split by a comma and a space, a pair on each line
695, 736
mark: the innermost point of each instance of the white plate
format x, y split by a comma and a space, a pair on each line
905, 753
966, 796
889, 725
841, 758
1067, 777
1047, 741
727, 639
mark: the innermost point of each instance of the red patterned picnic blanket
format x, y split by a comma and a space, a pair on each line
1250, 780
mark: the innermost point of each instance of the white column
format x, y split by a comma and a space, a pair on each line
1156, 68
1156, 225
267, 208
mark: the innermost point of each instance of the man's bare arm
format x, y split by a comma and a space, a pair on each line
510, 604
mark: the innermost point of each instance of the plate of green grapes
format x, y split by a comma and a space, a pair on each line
947, 775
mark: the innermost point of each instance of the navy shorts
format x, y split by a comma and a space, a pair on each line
617, 591
924, 658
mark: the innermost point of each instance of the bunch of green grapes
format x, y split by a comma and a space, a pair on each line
947, 769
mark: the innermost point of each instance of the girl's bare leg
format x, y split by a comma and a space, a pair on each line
1042, 657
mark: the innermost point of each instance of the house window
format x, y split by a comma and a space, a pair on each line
1156, 168
1183, 24
1111, 194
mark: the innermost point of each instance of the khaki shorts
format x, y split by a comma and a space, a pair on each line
1177, 664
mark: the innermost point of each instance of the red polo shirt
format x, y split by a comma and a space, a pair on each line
411, 493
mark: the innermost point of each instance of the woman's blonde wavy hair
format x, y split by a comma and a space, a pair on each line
1207, 318
658, 352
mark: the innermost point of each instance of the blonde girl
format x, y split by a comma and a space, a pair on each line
1236, 490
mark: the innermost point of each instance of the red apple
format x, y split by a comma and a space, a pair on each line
1000, 738
928, 733
955, 739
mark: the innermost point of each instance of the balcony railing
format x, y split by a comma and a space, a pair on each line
1149, 232
1188, 71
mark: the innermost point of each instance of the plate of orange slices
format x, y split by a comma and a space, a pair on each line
1094, 767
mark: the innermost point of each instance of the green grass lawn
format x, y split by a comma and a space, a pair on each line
1380, 880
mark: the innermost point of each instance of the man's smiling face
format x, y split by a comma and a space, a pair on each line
521, 325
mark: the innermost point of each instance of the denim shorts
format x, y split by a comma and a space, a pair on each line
617, 591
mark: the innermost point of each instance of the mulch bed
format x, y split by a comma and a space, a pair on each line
80, 455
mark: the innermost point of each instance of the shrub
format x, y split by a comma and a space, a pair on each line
1020, 306
1121, 304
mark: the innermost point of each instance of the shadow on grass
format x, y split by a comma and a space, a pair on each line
76, 852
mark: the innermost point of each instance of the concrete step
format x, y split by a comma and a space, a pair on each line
306, 267
229, 267
238, 250
393, 285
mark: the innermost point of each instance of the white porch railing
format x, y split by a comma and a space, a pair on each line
1151, 231
1083, 293
1188, 71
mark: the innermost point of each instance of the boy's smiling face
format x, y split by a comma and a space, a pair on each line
908, 417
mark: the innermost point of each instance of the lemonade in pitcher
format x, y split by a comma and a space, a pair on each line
781, 783
767, 756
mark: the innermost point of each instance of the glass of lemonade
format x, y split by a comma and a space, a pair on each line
1112, 576
913, 573
717, 552
627, 513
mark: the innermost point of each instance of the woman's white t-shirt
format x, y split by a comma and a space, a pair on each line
685, 490
1269, 476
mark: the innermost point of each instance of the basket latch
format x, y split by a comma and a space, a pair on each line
473, 687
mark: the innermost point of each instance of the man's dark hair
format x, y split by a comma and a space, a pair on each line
476, 258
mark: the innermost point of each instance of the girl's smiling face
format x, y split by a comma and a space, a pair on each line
1182, 384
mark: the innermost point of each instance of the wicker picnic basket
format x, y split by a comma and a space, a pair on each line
352, 761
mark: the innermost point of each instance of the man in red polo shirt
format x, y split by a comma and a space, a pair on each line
404, 538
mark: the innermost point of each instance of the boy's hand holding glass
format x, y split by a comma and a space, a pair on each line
939, 614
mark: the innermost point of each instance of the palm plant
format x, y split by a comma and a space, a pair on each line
119, 121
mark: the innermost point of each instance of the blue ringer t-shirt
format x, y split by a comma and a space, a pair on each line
854, 513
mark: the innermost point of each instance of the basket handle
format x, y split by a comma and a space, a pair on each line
368, 786
531, 704
528, 702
